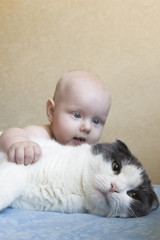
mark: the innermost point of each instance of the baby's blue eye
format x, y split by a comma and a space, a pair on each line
96, 121
76, 115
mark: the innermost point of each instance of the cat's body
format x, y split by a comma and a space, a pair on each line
105, 179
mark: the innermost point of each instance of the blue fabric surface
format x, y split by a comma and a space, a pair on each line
24, 224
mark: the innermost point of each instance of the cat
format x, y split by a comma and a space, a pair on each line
103, 179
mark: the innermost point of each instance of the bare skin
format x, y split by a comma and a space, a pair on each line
77, 114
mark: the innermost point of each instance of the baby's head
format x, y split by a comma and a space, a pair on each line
79, 109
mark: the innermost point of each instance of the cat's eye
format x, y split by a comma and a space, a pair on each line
116, 167
133, 195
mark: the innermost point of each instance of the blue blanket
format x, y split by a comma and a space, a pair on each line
35, 225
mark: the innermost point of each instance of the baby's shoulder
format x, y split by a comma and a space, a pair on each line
38, 131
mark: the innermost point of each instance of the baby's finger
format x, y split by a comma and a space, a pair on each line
37, 153
11, 155
19, 155
28, 155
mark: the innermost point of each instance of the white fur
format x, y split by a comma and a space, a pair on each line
67, 179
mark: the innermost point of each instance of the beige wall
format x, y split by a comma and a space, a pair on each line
117, 39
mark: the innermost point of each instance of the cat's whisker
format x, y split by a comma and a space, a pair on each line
133, 213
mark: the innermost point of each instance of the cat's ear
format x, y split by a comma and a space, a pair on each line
102, 148
155, 201
122, 147
50, 109
97, 148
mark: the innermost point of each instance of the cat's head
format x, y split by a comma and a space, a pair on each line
122, 187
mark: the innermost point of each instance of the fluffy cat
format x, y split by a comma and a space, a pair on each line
103, 179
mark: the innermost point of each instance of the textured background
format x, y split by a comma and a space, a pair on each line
117, 39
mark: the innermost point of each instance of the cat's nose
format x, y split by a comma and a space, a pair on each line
113, 188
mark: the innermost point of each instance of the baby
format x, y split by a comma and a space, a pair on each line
77, 114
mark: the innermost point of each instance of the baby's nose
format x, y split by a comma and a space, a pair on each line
86, 126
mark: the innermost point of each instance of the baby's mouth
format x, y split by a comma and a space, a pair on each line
79, 140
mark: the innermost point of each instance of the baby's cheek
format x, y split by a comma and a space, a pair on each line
63, 134
95, 136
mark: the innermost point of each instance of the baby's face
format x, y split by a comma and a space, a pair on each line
80, 115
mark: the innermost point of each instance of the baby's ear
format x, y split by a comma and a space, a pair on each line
50, 109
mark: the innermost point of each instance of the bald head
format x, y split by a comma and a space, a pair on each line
76, 81
81, 76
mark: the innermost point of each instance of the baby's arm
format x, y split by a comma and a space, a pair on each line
16, 143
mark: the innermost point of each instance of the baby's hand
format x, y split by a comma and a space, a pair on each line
25, 152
